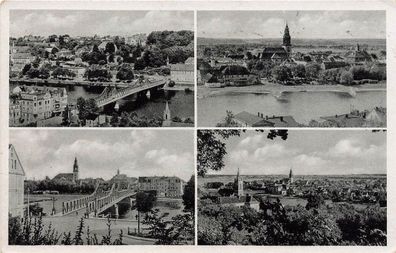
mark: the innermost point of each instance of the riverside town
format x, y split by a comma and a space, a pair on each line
133, 201
288, 187
120, 80
286, 72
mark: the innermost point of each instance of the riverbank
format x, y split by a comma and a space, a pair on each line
277, 89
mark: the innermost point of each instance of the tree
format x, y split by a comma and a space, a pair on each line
281, 73
312, 70
315, 200
346, 77
125, 72
189, 195
26, 68
144, 203
298, 71
110, 48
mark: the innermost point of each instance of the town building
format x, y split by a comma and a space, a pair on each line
70, 177
122, 180
358, 56
164, 186
183, 73
14, 113
238, 185
16, 179
246, 119
280, 53
38, 103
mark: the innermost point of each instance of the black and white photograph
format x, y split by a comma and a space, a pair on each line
101, 68
291, 68
292, 187
101, 187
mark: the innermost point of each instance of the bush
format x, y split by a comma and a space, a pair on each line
346, 77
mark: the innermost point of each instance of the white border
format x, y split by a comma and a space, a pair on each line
192, 5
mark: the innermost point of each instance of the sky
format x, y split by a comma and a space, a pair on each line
100, 153
88, 23
302, 24
318, 152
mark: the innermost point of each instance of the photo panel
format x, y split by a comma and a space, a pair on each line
118, 69
291, 68
101, 187
292, 187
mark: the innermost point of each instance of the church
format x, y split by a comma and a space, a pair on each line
71, 177
280, 53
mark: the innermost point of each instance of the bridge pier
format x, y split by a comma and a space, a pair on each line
116, 211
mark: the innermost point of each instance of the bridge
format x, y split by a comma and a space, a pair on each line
98, 202
109, 96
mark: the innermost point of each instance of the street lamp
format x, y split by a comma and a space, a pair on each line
53, 206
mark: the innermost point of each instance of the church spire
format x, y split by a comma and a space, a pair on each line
286, 36
75, 165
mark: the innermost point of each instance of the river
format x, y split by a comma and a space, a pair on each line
181, 103
303, 106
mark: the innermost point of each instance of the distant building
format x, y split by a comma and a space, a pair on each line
167, 120
238, 182
280, 53
358, 56
165, 186
38, 103
16, 183
183, 73
14, 113
122, 180
247, 119
71, 177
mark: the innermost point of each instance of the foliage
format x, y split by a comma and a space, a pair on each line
132, 119
59, 71
312, 70
97, 72
86, 108
145, 201
178, 230
33, 232
189, 195
281, 73
125, 72
165, 39
275, 225
346, 77
298, 71
228, 120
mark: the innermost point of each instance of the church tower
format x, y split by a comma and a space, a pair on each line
167, 120
287, 40
75, 170
239, 185
291, 176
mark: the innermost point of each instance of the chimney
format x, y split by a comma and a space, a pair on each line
281, 118
258, 114
266, 116
262, 115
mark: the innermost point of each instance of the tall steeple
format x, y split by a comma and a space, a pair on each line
287, 39
75, 170
291, 175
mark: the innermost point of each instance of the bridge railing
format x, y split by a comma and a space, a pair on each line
103, 99
95, 202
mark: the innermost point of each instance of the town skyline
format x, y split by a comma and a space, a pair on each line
121, 23
306, 153
303, 24
134, 153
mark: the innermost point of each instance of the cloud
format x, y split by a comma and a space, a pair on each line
39, 22
355, 148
